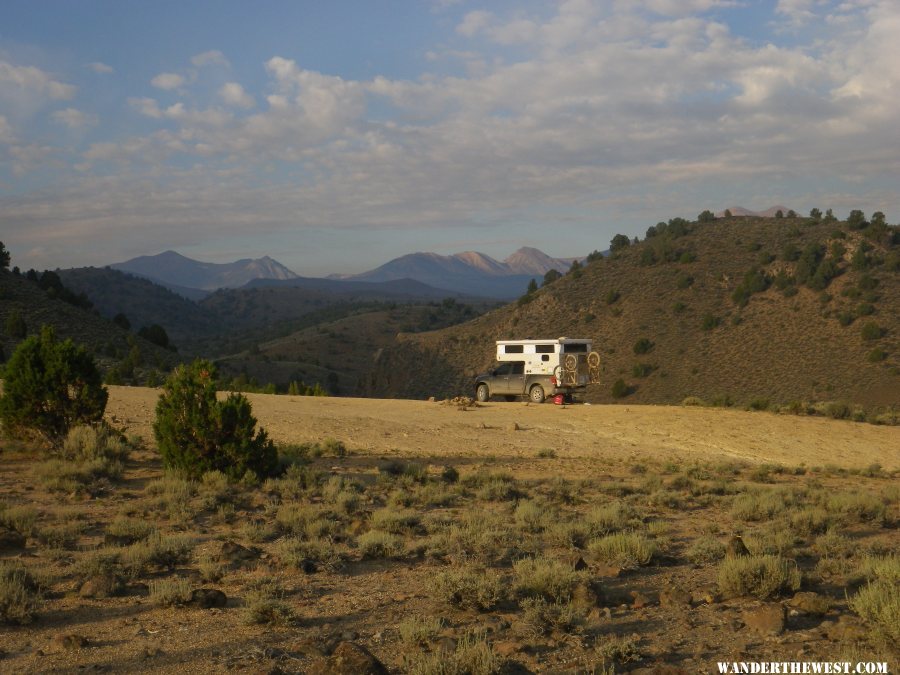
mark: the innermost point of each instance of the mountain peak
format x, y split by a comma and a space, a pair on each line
172, 269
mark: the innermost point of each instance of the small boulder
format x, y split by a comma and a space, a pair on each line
609, 571
101, 586
674, 598
736, 547
807, 602
349, 658
70, 641
587, 594
207, 598
769, 619
508, 647
639, 600
846, 629
577, 563
237, 555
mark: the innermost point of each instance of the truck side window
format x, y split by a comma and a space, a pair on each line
504, 369
518, 368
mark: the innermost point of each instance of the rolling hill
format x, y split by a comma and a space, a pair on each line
722, 309
144, 303
110, 344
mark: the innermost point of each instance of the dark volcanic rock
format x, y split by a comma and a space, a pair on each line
207, 598
349, 658
11, 542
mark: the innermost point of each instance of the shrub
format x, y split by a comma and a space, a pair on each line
759, 404
619, 389
378, 544
197, 433
627, 549
49, 387
418, 630
19, 594
707, 549
879, 604
643, 346
264, 604
169, 592
470, 588
542, 616
613, 517
472, 656
85, 443
642, 369
876, 355
710, 321
760, 576
546, 578
871, 331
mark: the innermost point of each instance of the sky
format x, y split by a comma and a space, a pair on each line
335, 136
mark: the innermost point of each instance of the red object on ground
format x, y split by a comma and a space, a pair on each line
559, 399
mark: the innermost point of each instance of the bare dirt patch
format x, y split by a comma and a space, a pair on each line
586, 432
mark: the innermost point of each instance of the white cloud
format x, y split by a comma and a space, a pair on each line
633, 111
6, 132
473, 22
30, 85
29, 156
101, 68
168, 81
233, 94
74, 119
677, 7
146, 106
211, 58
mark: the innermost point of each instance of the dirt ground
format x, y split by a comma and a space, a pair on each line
352, 554
586, 432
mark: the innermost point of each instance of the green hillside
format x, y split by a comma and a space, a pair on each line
742, 310
145, 303
25, 307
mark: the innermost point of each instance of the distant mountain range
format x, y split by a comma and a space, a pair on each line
770, 212
469, 272
184, 275
420, 274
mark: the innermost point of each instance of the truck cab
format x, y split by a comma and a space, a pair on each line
539, 368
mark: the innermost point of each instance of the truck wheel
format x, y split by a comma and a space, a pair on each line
537, 394
482, 393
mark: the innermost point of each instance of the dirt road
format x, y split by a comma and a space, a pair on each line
581, 432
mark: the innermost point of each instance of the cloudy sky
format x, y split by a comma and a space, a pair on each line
336, 135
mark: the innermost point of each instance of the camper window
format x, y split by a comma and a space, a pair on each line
544, 349
575, 349
514, 349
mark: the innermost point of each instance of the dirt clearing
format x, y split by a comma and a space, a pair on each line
586, 432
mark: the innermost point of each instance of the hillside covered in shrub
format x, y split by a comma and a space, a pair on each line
738, 310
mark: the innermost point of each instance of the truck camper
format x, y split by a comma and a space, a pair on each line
538, 369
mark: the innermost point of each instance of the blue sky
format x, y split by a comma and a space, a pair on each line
335, 136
